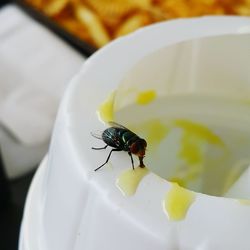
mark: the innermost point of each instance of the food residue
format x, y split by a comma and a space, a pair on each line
191, 149
199, 130
154, 130
129, 180
106, 111
177, 202
244, 202
145, 97
194, 140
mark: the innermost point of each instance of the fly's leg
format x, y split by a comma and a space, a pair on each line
114, 149
132, 160
100, 148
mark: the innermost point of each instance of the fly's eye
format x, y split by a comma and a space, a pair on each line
142, 144
134, 148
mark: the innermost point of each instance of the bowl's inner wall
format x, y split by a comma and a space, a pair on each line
197, 120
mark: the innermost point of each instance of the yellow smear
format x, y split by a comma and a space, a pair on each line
194, 139
191, 149
199, 130
246, 101
106, 111
146, 97
234, 174
177, 202
244, 202
129, 180
180, 181
155, 131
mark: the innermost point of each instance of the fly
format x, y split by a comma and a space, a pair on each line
122, 139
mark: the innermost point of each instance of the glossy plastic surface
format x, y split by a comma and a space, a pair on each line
78, 208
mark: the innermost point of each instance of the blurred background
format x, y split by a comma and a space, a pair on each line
43, 44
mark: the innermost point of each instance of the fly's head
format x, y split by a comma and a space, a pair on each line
138, 148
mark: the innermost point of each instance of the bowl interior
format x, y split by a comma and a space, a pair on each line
191, 102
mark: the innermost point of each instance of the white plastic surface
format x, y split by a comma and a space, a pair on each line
82, 209
214, 66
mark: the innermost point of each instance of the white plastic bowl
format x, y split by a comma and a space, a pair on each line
72, 207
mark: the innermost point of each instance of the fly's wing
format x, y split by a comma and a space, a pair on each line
97, 134
117, 125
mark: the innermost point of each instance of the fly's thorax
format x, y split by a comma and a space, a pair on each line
129, 138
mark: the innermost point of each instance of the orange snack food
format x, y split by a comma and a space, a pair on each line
99, 21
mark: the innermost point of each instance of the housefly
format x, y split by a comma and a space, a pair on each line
121, 138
